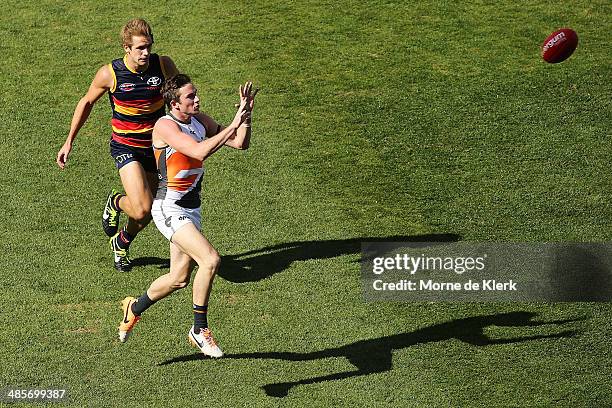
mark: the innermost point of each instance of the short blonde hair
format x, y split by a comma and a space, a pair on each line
135, 27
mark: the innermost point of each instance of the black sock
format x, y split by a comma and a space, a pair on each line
141, 304
124, 239
115, 201
200, 320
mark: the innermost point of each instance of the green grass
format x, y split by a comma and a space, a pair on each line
375, 119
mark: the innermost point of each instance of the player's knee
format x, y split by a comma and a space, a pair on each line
214, 261
142, 213
141, 208
210, 262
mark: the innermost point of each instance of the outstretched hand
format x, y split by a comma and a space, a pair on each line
247, 94
242, 114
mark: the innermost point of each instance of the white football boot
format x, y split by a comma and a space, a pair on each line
205, 341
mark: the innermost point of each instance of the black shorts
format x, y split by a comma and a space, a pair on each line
124, 154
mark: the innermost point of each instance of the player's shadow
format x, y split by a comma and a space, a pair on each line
162, 263
255, 265
375, 355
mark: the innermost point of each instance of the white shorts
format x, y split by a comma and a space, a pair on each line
169, 217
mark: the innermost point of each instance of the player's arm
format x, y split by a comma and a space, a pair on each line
102, 82
168, 66
238, 140
242, 138
168, 132
214, 128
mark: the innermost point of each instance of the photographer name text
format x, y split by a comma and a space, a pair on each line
430, 285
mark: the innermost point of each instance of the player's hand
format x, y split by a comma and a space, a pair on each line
242, 114
62, 155
246, 92
252, 99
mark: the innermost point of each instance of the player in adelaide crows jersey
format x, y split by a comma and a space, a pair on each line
133, 84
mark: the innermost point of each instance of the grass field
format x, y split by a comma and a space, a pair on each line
375, 119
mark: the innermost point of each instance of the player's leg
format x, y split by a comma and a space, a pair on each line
153, 181
122, 154
136, 203
189, 239
135, 225
192, 242
178, 277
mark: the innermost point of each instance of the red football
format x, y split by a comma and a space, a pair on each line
559, 45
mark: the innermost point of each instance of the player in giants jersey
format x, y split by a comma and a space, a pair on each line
182, 140
133, 84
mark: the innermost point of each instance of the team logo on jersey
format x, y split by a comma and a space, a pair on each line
127, 87
154, 81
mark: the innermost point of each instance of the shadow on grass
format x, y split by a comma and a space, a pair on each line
256, 265
163, 263
375, 355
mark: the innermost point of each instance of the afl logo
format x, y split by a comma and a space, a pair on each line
127, 87
154, 81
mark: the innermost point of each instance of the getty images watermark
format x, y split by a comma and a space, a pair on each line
463, 271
